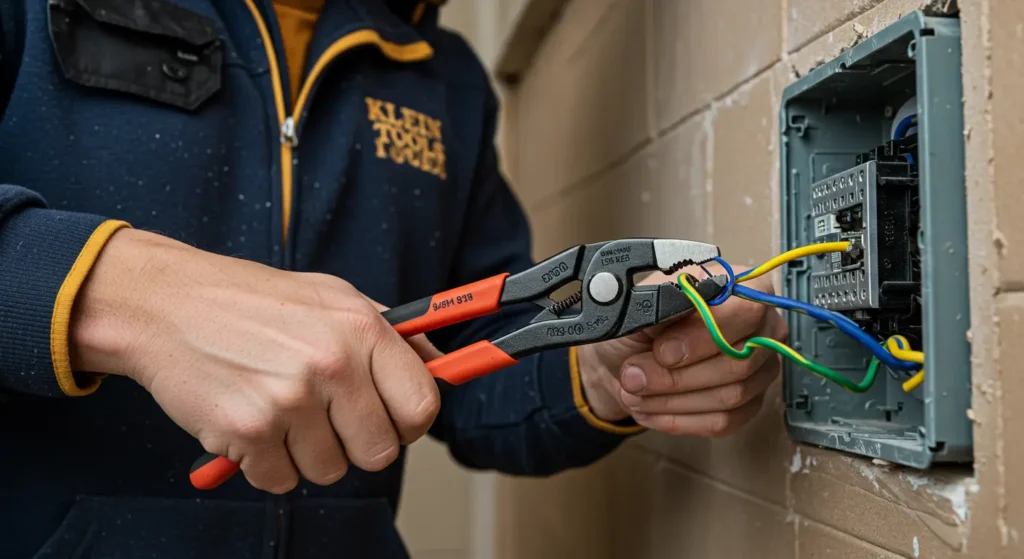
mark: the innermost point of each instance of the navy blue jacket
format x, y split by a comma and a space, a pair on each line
170, 115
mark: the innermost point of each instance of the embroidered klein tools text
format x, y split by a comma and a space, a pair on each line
407, 137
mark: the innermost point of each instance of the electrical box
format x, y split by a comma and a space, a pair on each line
872, 152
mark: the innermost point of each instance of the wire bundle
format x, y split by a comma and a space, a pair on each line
894, 352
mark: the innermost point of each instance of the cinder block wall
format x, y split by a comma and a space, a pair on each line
659, 117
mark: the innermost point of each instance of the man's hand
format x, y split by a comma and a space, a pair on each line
287, 373
674, 379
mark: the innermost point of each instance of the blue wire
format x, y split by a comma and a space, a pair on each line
901, 131
844, 324
903, 126
728, 287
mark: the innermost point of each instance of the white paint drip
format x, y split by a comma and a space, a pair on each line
916, 481
794, 467
867, 471
955, 493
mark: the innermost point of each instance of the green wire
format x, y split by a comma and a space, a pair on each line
776, 346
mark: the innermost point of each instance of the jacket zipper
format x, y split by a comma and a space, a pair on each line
288, 136
281, 107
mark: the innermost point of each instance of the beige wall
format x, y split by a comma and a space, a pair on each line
658, 117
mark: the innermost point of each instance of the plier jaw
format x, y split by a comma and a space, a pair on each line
609, 303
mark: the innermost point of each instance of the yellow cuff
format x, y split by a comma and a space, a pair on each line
584, 408
61, 318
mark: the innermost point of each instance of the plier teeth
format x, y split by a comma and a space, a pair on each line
671, 255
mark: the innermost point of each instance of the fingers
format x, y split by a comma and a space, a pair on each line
645, 375
315, 448
689, 341
405, 385
270, 468
260, 452
362, 422
714, 424
720, 398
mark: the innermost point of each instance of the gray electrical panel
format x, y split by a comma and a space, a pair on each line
872, 153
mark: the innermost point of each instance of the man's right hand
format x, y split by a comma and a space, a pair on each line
286, 373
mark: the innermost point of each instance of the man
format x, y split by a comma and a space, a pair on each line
288, 169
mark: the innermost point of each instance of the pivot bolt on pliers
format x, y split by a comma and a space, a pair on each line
608, 305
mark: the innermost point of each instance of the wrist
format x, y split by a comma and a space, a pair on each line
108, 313
600, 387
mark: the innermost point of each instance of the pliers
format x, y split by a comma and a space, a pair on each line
608, 305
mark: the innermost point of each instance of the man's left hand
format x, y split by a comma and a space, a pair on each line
673, 378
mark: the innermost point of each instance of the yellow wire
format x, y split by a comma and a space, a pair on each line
896, 345
914, 381
800, 252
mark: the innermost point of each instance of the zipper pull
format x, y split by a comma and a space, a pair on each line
288, 132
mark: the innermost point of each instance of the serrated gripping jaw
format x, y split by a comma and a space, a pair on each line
670, 255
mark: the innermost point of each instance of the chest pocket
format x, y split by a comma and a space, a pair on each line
150, 48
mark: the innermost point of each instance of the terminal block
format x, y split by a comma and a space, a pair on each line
872, 153
875, 206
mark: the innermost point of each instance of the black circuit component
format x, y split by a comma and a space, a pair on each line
897, 255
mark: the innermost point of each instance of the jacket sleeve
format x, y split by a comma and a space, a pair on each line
532, 418
45, 256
